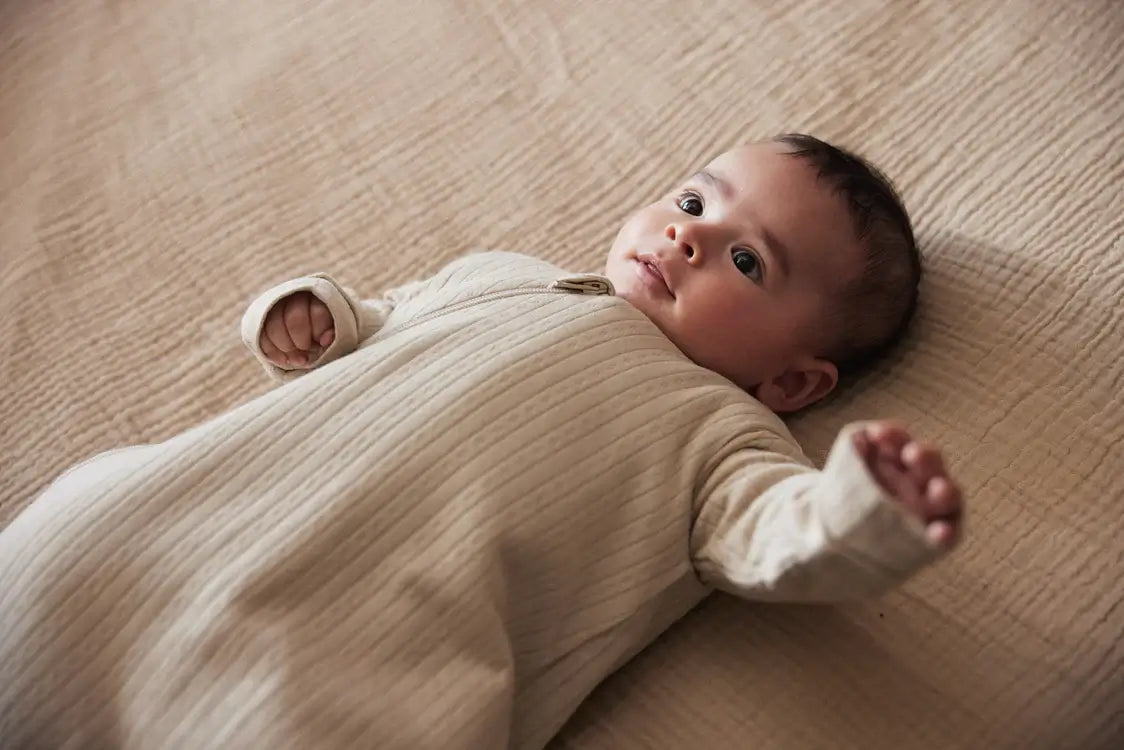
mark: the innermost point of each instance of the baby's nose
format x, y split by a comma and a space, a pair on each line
682, 241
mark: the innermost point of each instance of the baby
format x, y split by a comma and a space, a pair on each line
483, 492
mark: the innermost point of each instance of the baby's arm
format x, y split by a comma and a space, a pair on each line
771, 529
307, 322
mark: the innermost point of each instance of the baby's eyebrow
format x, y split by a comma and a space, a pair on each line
777, 249
705, 175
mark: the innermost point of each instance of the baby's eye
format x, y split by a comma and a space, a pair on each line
690, 203
748, 263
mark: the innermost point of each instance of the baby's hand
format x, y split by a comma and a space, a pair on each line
297, 330
914, 473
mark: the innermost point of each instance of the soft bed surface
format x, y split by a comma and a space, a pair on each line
164, 161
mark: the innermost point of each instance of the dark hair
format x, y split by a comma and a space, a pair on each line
877, 306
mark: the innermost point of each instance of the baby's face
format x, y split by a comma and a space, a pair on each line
738, 266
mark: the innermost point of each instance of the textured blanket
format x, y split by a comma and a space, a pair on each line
164, 161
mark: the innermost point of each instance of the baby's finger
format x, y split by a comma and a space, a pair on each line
899, 485
905, 490
863, 446
271, 352
943, 533
297, 321
923, 461
322, 325
889, 438
942, 498
275, 331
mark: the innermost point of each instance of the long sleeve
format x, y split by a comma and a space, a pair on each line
770, 528
355, 320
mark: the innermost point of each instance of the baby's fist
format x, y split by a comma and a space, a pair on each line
296, 331
914, 473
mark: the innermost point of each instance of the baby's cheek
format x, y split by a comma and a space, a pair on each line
717, 329
732, 314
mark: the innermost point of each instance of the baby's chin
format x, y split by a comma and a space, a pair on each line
634, 294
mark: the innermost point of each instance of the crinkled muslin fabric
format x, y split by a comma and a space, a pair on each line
165, 162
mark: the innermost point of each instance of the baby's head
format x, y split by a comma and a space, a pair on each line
780, 265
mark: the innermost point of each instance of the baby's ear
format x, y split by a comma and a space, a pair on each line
802, 385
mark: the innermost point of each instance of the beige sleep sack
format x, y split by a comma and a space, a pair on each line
497, 486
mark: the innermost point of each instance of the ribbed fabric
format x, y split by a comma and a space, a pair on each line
445, 539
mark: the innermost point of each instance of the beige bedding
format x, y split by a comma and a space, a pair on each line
160, 162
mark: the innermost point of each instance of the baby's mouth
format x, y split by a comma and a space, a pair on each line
648, 268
